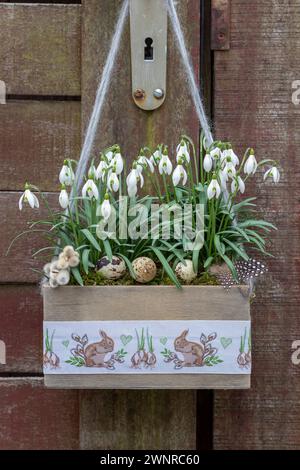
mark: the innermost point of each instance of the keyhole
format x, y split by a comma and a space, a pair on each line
148, 49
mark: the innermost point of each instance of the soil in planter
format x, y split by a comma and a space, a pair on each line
95, 279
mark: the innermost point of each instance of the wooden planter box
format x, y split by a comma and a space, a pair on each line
191, 337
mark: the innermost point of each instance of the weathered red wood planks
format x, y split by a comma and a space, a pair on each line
16, 267
40, 49
21, 320
253, 106
35, 137
33, 417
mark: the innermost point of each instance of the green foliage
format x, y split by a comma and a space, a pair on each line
76, 361
212, 361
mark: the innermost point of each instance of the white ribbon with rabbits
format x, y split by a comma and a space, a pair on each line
147, 347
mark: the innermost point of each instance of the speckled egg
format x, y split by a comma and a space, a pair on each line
144, 269
113, 269
185, 272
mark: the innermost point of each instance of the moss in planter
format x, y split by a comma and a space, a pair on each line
95, 279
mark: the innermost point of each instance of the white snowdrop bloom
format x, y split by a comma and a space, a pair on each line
251, 164
155, 157
109, 155
272, 173
106, 207
66, 175
229, 153
238, 185
213, 189
90, 189
179, 174
165, 165
229, 169
183, 152
215, 153
30, 198
144, 162
208, 162
101, 170
132, 180
63, 198
117, 163
113, 183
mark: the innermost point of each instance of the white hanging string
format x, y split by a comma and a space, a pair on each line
105, 81
99, 101
194, 89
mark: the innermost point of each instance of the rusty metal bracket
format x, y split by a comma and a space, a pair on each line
148, 37
220, 25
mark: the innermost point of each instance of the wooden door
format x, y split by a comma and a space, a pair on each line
51, 58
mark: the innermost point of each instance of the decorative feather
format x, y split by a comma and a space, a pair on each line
247, 272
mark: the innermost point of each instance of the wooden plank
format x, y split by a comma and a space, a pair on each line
220, 25
122, 121
33, 417
148, 382
47, 131
190, 303
253, 106
137, 420
16, 267
40, 49
21, 328
132, 128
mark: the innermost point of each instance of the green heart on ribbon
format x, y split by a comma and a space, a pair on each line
163, 340
225, 342
65, 343
125, 339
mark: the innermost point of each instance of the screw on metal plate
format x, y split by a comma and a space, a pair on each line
158, 93
139, 94
148, 37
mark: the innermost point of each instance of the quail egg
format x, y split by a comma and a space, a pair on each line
144, 269
185, 272
113, 269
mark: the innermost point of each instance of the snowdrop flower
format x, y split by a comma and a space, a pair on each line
144, 162
101, 170
117, 162
213, 189
208, 162
132, 180
155, 157
179, 173
66, 175
229, 153
229, 169
63, 198
109, 155
29, 197
215, 153
272, 173
182, 152
113, 181
106, 207
251, 164
165, 166
90, 189
238, 185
